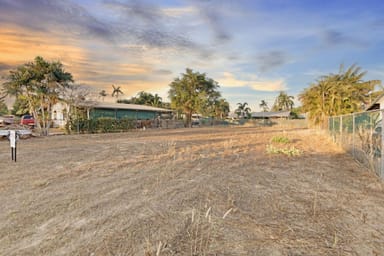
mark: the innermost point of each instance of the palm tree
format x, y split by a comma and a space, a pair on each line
156, 101
242, 110
283, 102
337, 94
264, 105
116, 91
221, 108
103, 94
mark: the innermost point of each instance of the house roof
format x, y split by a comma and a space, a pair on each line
96, 104
270, 114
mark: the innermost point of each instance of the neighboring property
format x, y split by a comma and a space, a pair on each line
378, 103
59, 114
130, 111
271, 115
111, 110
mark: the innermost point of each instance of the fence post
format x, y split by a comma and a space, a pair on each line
382, 148
353, 135
333, 130
341, 131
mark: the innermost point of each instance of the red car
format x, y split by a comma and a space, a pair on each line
27, 120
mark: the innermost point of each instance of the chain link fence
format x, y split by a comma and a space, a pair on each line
361, 135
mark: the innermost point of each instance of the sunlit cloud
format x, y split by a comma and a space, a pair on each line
142, 45
229, 80
180, 11
23, 46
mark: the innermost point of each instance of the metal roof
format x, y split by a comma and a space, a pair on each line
271, 114
125, 106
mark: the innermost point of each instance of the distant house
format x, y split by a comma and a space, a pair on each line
271, 115
378, 103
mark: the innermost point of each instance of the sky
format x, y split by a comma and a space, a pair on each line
253, 48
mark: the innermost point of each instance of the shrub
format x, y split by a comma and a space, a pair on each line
104, 124
280, 139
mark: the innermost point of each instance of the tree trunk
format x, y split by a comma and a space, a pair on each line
189, 119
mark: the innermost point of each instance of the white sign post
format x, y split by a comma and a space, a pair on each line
13, 137
12, 143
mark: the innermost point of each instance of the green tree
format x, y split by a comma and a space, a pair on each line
193, 92
157, 101
20, 106
3, 108
243, 111
144, 98
41, 83
283, 102
222, 108
264, 106
337, 94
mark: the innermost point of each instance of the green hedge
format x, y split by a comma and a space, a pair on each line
101, 125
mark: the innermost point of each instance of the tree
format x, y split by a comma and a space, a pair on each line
242, 110
144, 98
221, 108
40, 82
116, 91
3, 108
283, 102
75, 97
157, 101
264, 105
337, 94
20, 106
103, 94
193, 92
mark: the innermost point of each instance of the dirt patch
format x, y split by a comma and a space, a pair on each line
202, 191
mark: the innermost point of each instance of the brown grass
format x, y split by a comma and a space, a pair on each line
202, 191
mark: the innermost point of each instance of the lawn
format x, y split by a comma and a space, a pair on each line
199, 191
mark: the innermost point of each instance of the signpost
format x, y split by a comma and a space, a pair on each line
13, 137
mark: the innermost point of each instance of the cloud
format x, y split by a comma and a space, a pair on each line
55, 17
162, 72
5, 67
271, 60
147, 24
229, 80
332, 38
210, 12
24, 45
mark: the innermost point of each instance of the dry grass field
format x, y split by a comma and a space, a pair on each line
200, 191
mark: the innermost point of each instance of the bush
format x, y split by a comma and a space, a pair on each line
104, 124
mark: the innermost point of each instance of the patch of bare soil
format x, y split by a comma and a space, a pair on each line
202, 191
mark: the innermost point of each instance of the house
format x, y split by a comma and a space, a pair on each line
59, 114
378, 103
271, 115
113, 110
120, 110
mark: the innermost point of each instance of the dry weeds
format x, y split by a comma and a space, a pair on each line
203, 191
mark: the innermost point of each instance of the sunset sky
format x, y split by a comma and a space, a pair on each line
253, 48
